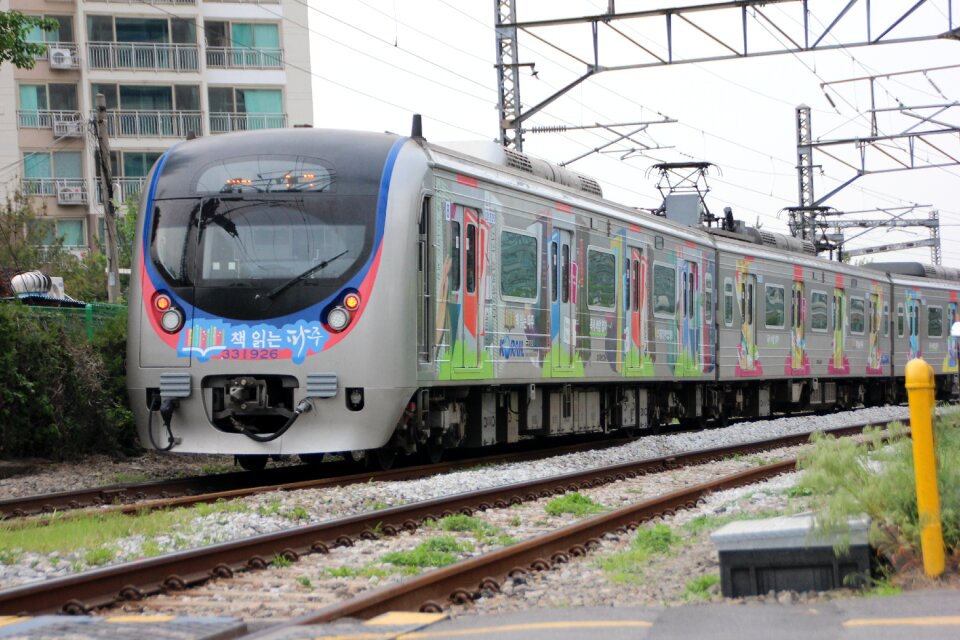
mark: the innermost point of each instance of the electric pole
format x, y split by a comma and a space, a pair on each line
106, 189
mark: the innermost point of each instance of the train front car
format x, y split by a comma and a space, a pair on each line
264, 320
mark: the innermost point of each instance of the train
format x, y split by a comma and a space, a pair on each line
310, 291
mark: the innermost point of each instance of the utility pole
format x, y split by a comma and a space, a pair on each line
106, 188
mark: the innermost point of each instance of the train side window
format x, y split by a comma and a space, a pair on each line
774, 306
471, 258
857, 316
601, 278
750, 304
637, 285
683, 291
708, 298
454, 254
900, 322
886, 320
664, 290
818, 311
565, 273
728, 302
934, 322
628, 301
519, 260
554, 258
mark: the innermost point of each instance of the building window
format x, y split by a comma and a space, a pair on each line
664, 290
48, 231
237, 109
519, 265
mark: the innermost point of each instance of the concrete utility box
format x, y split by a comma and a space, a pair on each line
785, 554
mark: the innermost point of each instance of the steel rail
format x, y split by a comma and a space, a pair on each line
464, 581
210, 488
86, 591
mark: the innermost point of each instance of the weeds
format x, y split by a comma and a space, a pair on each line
627, 566
575, 503
849, 479
435, 552
280, 561
699, 588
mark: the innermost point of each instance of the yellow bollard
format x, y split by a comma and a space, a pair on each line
920, 390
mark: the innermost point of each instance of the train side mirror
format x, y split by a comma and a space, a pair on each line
955, 330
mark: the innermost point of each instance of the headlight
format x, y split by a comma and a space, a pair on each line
338, 319
171, 320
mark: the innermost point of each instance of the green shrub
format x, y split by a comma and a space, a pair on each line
62, 396
575, 503
848, 479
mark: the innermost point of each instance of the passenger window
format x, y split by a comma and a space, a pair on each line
728, 302
708, 298
554, 258
565, 272
774, 315
636, 285
856, 315
664, 290
818, 311
900, 320
886, 320
471, 265
518, 258
601, 279
934, 322
454, 253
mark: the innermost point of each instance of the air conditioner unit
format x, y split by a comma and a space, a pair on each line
71, 195
61, 59
68, 128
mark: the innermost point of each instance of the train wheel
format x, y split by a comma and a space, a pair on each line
383, 458
253, 463
432, 453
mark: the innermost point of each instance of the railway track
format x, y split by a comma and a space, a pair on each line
181, 492
88, 591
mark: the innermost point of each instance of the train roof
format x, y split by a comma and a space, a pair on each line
917, 270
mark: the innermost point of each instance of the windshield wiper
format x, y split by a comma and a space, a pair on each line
273, 293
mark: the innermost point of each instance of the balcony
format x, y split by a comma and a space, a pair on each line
153, 124
224, 122
244, 58
143, 56
69, 191
174, 2
123, 189
61, 55
64, 123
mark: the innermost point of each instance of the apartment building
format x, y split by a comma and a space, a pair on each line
167, 68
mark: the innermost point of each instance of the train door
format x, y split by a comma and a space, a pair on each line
690, 314
563, 321
913, 316
798, 344
873, 340
839, 326
637, 295
952, 347
473, 242
748, 333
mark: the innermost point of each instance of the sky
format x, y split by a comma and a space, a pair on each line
377, 62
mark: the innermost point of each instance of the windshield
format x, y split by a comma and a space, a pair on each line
226, 255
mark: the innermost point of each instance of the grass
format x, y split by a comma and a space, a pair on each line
98, 556
306, 582
280, 562
128, 477
699, 588
848, 479
627, 566
204, 509
211, 469
89, 532
434, 552
575, 503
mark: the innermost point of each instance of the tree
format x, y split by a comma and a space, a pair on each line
14, 30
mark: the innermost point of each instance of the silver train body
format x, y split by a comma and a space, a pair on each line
306, 291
